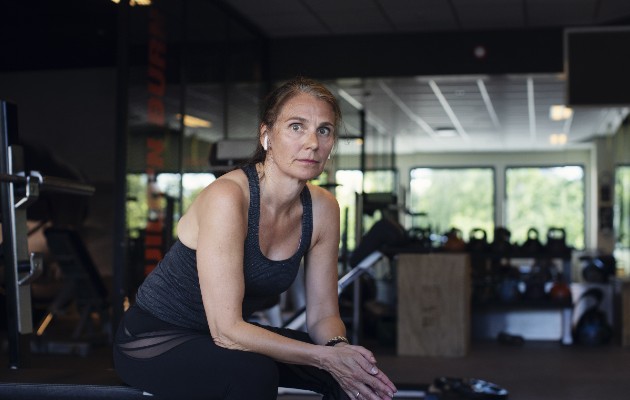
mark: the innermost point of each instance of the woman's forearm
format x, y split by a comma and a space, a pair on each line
248, 337
325, 329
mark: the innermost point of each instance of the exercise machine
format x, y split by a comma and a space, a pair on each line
18, 190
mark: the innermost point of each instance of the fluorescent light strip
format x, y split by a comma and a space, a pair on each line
347, 97
374, 121
401, 104
531, 108
449, 111
567, 125
369, 117
486, 99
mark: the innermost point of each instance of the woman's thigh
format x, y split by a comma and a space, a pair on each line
181, 364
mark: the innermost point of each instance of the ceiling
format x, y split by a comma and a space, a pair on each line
417, 113
453, 113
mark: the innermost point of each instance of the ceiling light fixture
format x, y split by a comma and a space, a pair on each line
194, 122
446, 132
560, 112
558, 139
135, 2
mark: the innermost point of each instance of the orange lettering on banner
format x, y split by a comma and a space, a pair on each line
156, 115
155, 111
155, 154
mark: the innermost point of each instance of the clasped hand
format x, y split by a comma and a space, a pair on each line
354, 367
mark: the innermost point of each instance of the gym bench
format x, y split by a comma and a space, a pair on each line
36, 384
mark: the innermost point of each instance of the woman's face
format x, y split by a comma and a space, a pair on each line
302, 137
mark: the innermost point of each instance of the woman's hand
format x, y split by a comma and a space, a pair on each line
354, 367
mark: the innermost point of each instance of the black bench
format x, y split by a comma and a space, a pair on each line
35, 384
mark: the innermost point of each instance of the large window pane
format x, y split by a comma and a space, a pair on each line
542, 198
350, 184
354, 182
459, 198
622, 218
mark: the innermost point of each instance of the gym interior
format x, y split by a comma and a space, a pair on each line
496, 133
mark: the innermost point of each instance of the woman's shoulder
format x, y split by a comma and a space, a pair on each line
230, 187
228, 196
323, 200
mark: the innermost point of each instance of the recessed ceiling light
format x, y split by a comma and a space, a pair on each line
194, 122
560, 113
558, 139
445, 132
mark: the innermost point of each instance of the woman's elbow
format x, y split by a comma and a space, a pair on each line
223, 336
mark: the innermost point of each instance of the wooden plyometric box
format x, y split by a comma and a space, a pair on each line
433, 304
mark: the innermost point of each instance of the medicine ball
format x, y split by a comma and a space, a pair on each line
592, 328
598, 269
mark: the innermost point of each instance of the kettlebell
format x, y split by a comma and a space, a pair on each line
592, 328
478, 241
454, 241
501, 243
508, 286
537, 279
560, 291
421, 236
532, 245
593, 270
556, 241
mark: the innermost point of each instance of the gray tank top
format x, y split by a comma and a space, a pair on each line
171, 291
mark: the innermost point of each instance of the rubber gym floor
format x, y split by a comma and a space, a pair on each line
531, 371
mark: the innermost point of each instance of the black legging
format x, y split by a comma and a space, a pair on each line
177, 363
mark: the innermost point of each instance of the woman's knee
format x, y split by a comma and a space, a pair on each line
255, 378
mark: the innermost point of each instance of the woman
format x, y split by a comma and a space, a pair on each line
239, 245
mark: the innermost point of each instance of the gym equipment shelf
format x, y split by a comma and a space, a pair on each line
494, 310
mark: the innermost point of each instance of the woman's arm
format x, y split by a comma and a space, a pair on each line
322, 302
221, 213
354, 367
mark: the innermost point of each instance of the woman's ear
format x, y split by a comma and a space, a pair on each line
264, 137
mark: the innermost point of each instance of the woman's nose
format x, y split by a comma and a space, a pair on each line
311, 141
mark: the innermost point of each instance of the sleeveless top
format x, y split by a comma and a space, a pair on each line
171, 291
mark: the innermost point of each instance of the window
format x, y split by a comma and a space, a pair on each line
167, 184
546, 197
622, 218
353, 182
461, 198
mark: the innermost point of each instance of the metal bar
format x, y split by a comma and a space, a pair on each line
119, 264
14, 243
8, 244
60, 185
52, 184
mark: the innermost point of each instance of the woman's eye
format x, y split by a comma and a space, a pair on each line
324, 131
295, 127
